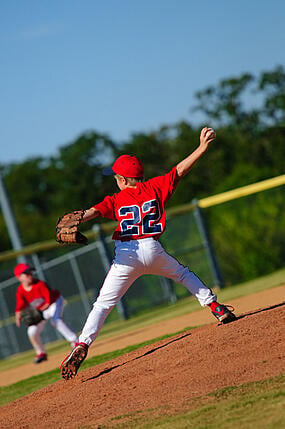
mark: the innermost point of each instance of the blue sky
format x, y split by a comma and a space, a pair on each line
121, 66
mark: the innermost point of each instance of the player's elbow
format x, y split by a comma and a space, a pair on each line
181, 171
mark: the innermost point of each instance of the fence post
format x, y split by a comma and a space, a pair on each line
107, 260
79, 282
208, 245
10, 220
38, 267
4, 312
168, 289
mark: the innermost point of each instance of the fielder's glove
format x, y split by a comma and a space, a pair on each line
31, 316
67, 228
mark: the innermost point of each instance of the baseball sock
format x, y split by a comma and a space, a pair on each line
214, 305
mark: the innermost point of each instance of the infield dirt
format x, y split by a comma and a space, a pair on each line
163, 376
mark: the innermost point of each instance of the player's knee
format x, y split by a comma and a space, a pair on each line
182, 274
54, 321
32, 331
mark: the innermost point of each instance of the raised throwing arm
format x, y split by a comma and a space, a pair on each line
206, 137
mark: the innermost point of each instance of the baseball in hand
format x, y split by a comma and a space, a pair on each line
210, 132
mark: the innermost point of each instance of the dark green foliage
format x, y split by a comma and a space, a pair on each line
41, 190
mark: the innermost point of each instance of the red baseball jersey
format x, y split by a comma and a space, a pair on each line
140, 211
39, 295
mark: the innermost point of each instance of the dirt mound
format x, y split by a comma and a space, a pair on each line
167, 373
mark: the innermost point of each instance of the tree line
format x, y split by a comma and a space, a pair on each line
248, 113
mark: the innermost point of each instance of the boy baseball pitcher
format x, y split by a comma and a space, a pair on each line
139, 208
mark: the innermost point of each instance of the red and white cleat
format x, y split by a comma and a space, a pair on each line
223, 314
71, 364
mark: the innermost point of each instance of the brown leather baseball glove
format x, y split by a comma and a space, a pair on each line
31, 316
67, 228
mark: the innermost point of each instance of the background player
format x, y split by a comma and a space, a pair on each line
139, 208
36, 293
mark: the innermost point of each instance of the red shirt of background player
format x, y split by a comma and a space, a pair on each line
38, 294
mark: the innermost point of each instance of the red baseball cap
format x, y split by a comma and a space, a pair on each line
127, 166
22, 269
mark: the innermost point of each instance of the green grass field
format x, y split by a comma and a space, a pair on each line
256, 405
264, 399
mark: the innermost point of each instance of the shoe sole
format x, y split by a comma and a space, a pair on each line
72, 362
40, 360
227, 318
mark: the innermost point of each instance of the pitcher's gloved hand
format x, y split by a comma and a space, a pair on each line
67, 228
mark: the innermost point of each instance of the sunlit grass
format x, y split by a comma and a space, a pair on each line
252, 405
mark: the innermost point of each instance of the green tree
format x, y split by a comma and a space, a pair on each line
272, 85
224, 103
41, 189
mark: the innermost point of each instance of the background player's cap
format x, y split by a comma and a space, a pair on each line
127, 166
22, 268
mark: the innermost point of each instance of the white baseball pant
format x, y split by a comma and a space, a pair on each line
54, 314
133, 259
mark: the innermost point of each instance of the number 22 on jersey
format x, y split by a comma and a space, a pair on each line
136, 217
